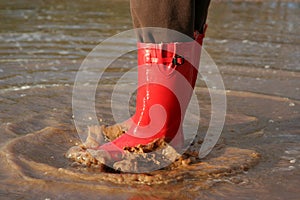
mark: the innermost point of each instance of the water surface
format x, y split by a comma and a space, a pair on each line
255, 44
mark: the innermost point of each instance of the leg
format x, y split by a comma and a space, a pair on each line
184, 16
171, 14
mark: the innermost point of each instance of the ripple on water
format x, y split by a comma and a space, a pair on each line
44, 156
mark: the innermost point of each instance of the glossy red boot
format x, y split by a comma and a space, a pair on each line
167, 73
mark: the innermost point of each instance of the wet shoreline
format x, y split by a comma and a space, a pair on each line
42, 45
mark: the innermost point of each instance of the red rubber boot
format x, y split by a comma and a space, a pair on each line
166, 78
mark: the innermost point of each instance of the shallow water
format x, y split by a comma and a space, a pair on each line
255, 44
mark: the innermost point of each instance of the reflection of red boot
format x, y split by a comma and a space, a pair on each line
167, 73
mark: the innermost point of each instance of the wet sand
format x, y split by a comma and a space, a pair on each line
39, 159
42, 47
45, 159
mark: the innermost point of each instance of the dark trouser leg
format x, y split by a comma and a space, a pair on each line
184, 16
201, 11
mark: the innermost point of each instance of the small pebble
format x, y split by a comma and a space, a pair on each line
293, 161
291, 104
